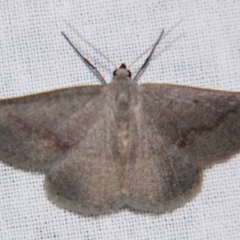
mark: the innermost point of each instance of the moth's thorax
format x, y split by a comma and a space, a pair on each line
123, 94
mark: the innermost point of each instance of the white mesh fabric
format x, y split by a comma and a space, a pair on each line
204, 51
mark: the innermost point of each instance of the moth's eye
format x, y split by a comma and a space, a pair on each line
115, 73
129, 74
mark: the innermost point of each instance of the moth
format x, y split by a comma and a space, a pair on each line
103, 147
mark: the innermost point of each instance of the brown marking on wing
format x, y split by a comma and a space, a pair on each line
188, 136
57, 141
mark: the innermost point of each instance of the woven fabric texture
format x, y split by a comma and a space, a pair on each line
203, 51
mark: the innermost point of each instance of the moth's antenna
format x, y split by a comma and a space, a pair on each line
154, 43
148, 58
91, 45
99, 75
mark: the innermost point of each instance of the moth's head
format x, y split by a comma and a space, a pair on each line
122, 72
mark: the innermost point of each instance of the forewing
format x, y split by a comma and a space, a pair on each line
86, 178
36, 129
179, 130
203, 123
